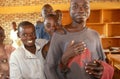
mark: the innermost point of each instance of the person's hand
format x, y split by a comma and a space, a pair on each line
72, 50
94, 68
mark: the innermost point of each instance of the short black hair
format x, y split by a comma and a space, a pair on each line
46, 6
23, 24
13, 22
52, 15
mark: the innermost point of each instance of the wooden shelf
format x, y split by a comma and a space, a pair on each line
113, 29
96, 16
99, 27
110, 42
111, 15
106, 22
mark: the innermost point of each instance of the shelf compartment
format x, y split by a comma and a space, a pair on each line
114, 30
111, 15
95, 16
99, 27
110, 42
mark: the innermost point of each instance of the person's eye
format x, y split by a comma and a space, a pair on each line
25, 35
74, 7
86, 6
48, 25
33, 34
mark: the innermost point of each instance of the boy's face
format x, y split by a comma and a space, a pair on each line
50, 25
79, 10
46, 11
27, 35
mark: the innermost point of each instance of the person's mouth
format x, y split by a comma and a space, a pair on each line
80, 16
29, 41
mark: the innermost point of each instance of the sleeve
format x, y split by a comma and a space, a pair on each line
14, 67
53, 57
100, 52
38, 29
108, 71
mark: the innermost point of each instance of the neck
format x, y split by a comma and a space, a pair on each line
32, 49
75, 27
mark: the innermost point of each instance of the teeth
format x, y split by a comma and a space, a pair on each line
30, 41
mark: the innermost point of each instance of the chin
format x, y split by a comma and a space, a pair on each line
80, 21
30, 45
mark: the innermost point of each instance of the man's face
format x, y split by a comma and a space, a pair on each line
46, 11
79, 10
27, 35
50, 25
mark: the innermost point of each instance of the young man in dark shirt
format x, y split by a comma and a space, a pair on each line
65, 49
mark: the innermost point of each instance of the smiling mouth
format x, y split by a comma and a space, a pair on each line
30, 41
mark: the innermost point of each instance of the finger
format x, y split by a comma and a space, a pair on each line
91, 64
97, 74
79, 48
95, 63
94, 73
71, 43
97, 69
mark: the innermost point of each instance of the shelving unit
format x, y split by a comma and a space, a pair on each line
99, 27
106, 22
96, 14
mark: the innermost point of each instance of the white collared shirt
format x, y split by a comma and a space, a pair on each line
25, 65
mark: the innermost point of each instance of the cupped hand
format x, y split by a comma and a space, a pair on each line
94, 68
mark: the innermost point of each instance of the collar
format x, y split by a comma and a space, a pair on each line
29, 55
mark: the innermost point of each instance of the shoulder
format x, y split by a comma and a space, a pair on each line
61, 31
17, 52
41, 42
93, 32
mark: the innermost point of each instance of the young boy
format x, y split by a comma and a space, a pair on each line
26, 62
40, 30
50, 28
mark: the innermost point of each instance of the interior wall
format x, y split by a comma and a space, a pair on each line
22, 10
19, 10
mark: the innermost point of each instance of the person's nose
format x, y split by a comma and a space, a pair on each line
53, 28
80, 9
31, 35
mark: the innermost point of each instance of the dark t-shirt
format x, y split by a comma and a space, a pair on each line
58, 46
